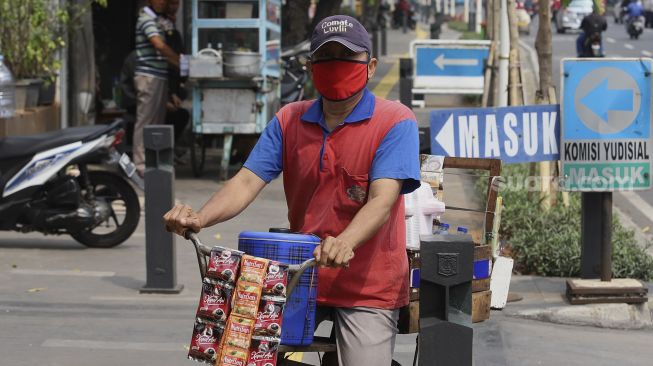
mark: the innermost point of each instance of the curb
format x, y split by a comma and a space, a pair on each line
613, 316
532, 55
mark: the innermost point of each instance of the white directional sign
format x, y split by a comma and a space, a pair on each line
515, 134
449, 66
606, 124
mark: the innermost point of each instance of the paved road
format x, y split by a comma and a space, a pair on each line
639, 206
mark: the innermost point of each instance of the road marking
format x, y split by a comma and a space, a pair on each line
49, 272
142, 298
647, 53
113, 345
637, 201
421, 33
611, 40
629, 46
389, 80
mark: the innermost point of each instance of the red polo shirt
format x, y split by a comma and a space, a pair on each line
326, 180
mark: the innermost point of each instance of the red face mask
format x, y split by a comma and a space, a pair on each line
338, 79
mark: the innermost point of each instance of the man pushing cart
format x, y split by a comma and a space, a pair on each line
347, 158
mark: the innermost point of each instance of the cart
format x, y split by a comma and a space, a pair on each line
320, 344
242, 99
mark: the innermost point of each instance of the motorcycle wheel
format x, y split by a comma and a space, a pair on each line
123, 200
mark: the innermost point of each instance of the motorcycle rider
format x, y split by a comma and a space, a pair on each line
592, 25
635, 10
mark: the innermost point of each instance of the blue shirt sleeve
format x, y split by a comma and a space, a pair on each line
398, 156
266, 159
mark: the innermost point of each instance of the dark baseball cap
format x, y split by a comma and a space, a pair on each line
344, 30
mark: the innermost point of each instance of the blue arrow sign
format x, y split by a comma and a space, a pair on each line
512, 134
432, 61
606, 99
602, 99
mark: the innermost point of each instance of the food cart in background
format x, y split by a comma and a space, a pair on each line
234, 73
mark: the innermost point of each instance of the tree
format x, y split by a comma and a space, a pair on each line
297, 27
324, 9
370, 13
295, 22
543, 45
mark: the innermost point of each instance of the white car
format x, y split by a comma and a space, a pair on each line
571, 16
523, 21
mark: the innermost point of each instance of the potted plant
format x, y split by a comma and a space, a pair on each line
32, 32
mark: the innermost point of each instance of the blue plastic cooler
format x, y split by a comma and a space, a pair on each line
299, 314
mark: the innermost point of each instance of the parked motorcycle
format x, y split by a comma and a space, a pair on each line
46, 185
295, 72
635, 27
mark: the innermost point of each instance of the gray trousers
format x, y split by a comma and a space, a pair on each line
364, 336
151, 98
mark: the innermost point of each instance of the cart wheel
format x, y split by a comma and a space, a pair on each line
198, 154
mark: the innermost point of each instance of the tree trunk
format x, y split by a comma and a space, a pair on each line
370, 12
295, 22
543, 45
81, 55
489, 19
545, 94
324, 9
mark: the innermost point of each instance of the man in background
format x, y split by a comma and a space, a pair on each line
150, 74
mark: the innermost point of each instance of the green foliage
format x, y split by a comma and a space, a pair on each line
462, 27
472, 35
33, 31
548, 242
458, 26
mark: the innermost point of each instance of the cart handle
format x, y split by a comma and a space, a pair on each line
203, 251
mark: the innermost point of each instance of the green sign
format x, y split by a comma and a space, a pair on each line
607, 176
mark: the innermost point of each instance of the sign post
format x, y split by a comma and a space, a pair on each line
606, 140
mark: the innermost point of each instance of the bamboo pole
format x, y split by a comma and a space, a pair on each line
513, 61
489, 71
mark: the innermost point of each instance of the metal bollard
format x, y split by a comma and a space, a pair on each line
406, 82
160, 255
446, 334
384, 41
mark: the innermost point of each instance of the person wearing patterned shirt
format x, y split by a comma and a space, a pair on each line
151, 74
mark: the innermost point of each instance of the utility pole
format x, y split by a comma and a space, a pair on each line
479, 15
